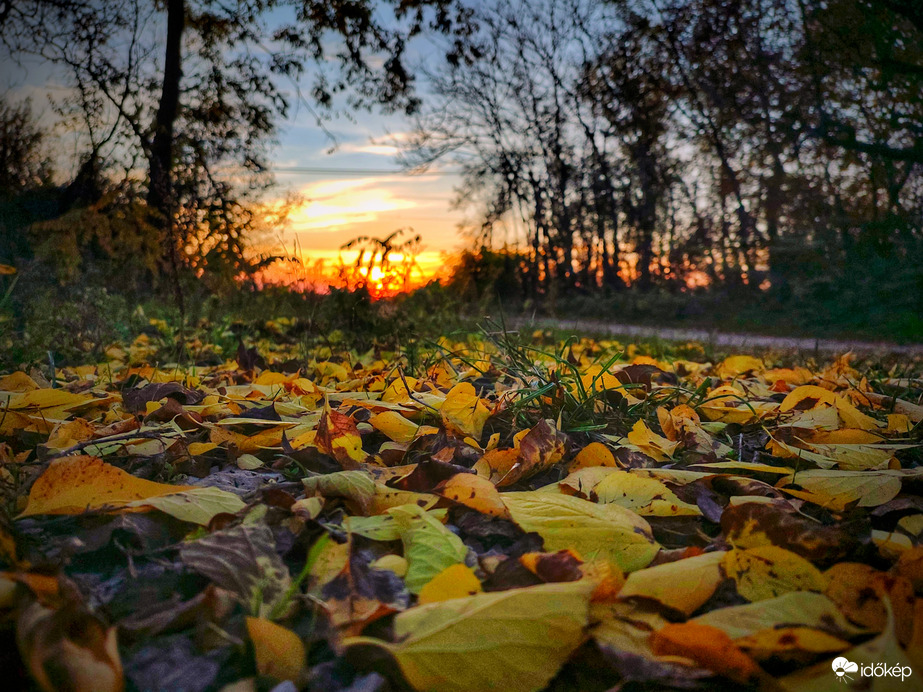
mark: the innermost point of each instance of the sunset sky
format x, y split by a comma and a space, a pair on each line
358, 189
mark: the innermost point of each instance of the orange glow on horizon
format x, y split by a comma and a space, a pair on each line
320, 270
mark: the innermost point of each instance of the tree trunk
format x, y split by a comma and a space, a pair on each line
160, 194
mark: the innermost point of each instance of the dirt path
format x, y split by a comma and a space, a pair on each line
735, 340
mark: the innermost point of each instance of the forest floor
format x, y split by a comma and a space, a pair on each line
497, 510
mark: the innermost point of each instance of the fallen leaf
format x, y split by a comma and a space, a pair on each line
196, 505
883, 650
683, 585
649, 442
860, 592
769, 571
463, 411
428, 545
483, 642
279, 652
594, 531
836, 489
338, 437
244, 561
478, 493
788, 643
455, 581
68, 649
594, 454
709, 647
734, 366
395, 426
792, 609
73, 485
646, 496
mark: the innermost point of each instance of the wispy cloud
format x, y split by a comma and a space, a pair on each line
331, 205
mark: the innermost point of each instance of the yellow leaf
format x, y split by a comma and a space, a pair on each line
48, 398
386, 498
456, 581
644, 495
394, 426
73, 485
844, 436
497, 464
649, 442
17, 382
769, 571
7, 270
882, 650
393, 563
683, 585
70, 433
786, 641
463, 411
594, 531
428, 545
338, 437
196, 505
807, 396
836, 490
897, 423
853, 417
197, 448
68, 649
678, 420
795, 376
478, 493
397, 392
538, 448
278, 651
583, 482
795, 608
484, 642
331, 371
738, 365
860, 592
594, 454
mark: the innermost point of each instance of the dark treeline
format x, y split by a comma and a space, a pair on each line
767, 145
163, 117
661, 158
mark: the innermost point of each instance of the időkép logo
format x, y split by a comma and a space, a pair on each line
843, 669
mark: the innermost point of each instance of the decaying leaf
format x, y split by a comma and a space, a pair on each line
539, 448
244, 561
478, 493
769, 571
338, 437
690, 519
69, 649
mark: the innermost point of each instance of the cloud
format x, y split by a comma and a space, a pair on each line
374, 149
332, 204
381, 146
